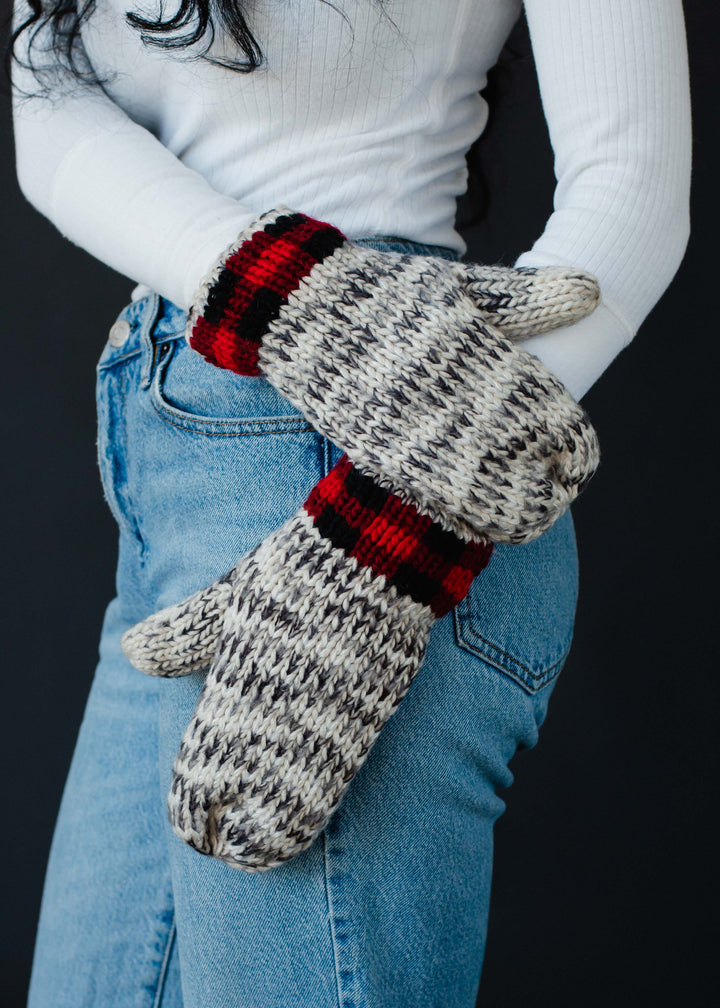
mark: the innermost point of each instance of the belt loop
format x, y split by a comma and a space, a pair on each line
150, 317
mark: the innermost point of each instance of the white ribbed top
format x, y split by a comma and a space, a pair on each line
368, 129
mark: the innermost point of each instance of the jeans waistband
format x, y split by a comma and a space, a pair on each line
398, 244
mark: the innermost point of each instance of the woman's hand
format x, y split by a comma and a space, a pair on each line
325, 626
394, 358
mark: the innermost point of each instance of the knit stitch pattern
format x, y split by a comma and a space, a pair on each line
324, 630
415, 554
249, 284
390, 357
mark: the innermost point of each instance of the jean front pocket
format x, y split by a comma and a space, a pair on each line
217, 461
189, 393
518, 616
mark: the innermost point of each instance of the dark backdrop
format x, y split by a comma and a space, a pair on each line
605, 871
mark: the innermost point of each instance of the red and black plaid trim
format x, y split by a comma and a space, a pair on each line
417, 555
254, 284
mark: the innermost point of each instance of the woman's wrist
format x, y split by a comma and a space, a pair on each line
251, 281
416, 554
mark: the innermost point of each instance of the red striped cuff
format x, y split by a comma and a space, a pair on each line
416, 555
254, 284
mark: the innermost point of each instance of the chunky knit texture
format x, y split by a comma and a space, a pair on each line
325, 626
248, 286
392, 357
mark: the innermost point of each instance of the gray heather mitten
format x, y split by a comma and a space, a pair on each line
325, 627
392, 357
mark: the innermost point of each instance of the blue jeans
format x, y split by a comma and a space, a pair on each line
389, 907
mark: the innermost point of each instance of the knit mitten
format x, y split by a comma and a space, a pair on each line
325, 627
392, 357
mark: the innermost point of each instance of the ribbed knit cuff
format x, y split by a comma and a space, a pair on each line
414, 553
245, 292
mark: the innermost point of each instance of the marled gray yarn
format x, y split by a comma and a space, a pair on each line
181, 638
315, 654
389, 355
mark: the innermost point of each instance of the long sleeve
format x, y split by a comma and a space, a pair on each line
613, 78
110, 186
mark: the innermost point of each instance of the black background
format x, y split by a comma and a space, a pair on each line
605, 883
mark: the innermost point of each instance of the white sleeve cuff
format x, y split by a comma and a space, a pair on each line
579, 353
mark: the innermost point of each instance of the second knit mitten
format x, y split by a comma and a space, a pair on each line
325, 628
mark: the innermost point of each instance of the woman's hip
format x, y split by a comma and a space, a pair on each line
198, 465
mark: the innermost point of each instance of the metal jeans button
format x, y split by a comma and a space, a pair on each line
119, 332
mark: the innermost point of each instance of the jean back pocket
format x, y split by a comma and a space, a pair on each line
518, 616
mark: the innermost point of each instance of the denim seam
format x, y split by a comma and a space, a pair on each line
511, 658
148, 323
251, 433
122, 506
331, 917
120, 358
112, 361
327, 456
133, 511
513, 668
416, 248
135, 515
162, 976
347, 984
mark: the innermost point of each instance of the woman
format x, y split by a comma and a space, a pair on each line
360, 118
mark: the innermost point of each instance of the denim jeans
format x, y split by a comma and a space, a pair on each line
389, 907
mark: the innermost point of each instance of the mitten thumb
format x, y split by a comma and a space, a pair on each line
523, 301
183, 637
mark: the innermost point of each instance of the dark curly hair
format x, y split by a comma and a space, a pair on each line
195, 21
